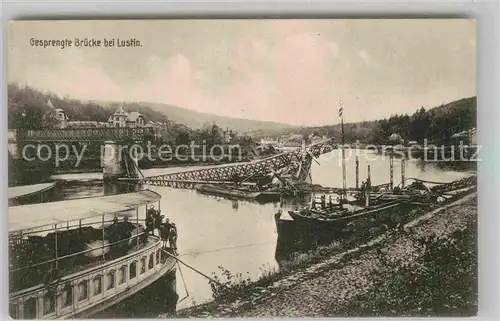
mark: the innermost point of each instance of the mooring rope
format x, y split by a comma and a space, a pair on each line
194, 269
183, 282
227, 248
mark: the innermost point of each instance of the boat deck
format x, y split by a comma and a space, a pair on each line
81, 267
334, 212
78, 263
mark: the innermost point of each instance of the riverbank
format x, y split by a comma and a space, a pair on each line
427, 268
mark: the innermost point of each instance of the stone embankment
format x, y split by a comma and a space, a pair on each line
323, 289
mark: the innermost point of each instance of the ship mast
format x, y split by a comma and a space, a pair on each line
341, 112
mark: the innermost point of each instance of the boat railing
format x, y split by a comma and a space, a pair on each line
67, 225
78, 291
101, 247
63, 227
84, 272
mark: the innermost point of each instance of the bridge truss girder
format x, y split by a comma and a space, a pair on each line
294, 161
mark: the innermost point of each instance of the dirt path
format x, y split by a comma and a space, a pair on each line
322, 289
319, 296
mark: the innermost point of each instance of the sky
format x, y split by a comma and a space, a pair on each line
290, 71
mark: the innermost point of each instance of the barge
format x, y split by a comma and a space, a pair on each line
269, 195
320, 224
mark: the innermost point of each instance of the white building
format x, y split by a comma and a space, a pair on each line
60, 114
467, 137
122, 118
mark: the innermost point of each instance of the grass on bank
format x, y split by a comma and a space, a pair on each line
231, 287
444, 284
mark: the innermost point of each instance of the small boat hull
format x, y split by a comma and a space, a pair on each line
159, 291
302, 232
233, 193
338, 218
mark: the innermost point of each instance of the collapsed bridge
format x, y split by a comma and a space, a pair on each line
296, 163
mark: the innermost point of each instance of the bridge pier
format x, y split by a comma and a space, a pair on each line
112, 168
116, 164
134, 172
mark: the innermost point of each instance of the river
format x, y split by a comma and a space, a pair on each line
240, 236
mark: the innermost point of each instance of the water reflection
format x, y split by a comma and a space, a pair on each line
235, 205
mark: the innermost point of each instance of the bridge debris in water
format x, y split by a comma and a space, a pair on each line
297, 162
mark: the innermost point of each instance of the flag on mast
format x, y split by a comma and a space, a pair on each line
341, 112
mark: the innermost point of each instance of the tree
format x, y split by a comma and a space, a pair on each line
31, 116
182, 138
243, 140
215, 135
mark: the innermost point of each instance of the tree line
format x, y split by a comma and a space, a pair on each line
28, 109
437, 125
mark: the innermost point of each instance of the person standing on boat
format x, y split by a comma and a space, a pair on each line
151, 211
168, 230
330, 202
158, 219
164, 231
323, 202
150, 223
172, 237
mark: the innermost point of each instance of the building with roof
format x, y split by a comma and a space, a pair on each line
395, 139
227, 136
466, 137
121, 118
60, 115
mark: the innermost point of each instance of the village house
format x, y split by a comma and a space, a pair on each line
60, 115
466, 137
227, 135
121, 118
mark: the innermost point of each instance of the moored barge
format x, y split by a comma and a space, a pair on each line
240, 193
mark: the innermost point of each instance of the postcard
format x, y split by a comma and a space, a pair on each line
242, 168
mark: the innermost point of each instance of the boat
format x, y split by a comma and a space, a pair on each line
339, 217
302, 230
331, 209
239, 192
66, 260
30, 194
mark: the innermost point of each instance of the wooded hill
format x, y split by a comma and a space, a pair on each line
436, 124
33, 103
195, 119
